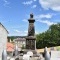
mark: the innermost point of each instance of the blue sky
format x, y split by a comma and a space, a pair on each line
14, 15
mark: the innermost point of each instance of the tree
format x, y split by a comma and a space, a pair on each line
49, 38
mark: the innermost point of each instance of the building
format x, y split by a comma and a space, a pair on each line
3, 38
20, 42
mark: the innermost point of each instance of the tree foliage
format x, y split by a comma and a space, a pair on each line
49, 38
11, 38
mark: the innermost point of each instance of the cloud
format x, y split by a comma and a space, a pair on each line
36, 32
26, 31
47, 16
24, 20
35, 0
6, 3
28, 2
50, 4
43, 16
17, 31
8, 30
34, 6
46, 22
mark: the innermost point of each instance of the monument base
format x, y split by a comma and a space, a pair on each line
30, 43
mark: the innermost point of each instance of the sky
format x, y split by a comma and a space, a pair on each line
14, 15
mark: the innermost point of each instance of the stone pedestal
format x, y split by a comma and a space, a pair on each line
30, 42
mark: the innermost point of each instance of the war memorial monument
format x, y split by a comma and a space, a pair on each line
30, 39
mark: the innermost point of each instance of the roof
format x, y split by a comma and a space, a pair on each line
20, 39
3, 27
10, 46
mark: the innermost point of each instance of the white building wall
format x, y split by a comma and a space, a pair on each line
3, 39
20, 43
